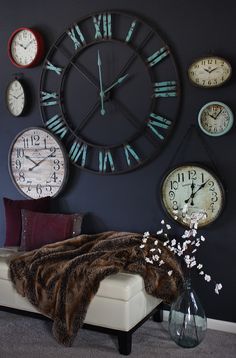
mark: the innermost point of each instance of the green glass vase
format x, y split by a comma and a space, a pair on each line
187, 319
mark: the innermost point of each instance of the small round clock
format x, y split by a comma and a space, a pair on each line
110, 91
215, 118
16, 97
25, 47
210, 71
193, 186
37, 163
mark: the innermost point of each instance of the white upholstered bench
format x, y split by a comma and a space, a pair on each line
120, 306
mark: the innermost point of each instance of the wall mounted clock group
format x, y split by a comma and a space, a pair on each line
110, 91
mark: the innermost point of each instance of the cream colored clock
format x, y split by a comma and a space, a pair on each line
209, 71
37, 163
196, 188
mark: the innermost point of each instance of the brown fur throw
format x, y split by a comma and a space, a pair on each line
61, 279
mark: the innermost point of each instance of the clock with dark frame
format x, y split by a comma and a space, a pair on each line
110, 91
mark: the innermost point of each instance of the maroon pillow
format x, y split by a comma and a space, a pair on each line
13, 216
39, 229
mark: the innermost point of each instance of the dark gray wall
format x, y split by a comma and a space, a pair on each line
131, 201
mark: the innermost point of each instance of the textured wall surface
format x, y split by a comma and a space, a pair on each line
131, 201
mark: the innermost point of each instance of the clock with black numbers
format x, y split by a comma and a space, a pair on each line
38, 163
189, 190
110, 92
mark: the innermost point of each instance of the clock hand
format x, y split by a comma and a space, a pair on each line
101, 88
120, 80
27, 157
210, 71
200, 187
206, 69
191, 195
42, 160
218, 113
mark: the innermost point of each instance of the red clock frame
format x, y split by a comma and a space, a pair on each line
40, 47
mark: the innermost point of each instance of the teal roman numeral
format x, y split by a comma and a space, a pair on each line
49, 98
131, 31
158, 122
102, 24
130, 153
158, 56
165, 89
57, 126
78, 151
76, 36
51, 67
104, 159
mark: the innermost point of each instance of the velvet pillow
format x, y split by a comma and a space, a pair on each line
13, 216
39, 229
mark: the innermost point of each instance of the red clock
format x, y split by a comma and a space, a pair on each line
26, 47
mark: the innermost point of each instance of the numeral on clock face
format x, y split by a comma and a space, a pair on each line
102, 25
49, 98
105, 158
165, 89
51, 67
76, 36
158, 56
56, 125
158, 122
78, 151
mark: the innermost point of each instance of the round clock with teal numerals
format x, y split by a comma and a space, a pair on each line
110, 91
215, 118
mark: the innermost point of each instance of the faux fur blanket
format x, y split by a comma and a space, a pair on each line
61, 279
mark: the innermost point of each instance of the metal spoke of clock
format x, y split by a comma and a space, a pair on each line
135, 55
79, 67
134, 121
86, 119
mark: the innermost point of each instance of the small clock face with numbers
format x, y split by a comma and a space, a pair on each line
110, 92
38, 163
194, 188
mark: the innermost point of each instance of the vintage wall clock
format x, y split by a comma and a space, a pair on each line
25, 47
110, 91
210, 71
38, 163
215, 118
194, 185
16, 97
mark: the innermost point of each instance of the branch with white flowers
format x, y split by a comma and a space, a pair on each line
186, 249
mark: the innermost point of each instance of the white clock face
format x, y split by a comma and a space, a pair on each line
15, 97
24, 47
196, 188
209, 72
215, 119
37, 163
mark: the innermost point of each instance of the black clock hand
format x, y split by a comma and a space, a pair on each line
191, 195
218, 113
27, 157
42, 160
210, 71
206, 69
194, 193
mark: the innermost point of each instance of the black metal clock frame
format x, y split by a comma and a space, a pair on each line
151, 132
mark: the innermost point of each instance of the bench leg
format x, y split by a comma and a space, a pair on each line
158, 315
125, 342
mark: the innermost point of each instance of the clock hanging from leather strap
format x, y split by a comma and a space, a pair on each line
110, 91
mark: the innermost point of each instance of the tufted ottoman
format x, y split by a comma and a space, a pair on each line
119, 307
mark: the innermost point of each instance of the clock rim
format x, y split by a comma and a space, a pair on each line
201, 58
6, 98
231, 116
65, 159
40, 47
212, 173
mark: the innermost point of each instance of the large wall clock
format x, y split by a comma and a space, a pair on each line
110, 91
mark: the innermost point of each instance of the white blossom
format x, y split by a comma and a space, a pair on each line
152, 250
201, 273
162, 221
202, 238
142, 246
148, 260
144, 240
161, 262
146, 234
173, 242
156, 242
199, 266
160, 232
155, 257
170, 272
168, 226
207, 278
